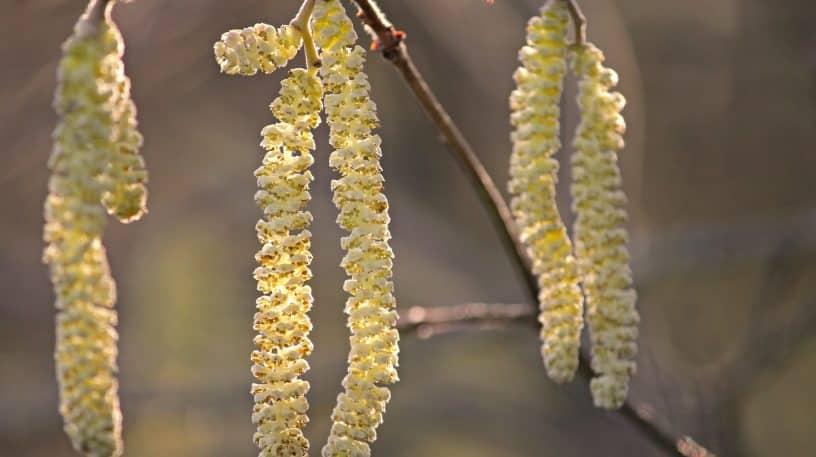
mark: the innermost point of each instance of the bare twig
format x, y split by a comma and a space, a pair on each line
390, 42
427, 322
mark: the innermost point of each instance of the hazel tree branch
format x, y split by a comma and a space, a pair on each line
391, 42
428, 322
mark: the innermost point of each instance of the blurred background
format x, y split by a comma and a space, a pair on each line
720, 168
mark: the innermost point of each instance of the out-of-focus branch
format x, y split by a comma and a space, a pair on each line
390, 41
428, 322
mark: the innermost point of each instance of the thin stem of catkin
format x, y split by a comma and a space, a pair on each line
578, 21
301, 23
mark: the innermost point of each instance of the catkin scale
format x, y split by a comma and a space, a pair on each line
85, 352
533, 176
358, 194
600, 233
282, 324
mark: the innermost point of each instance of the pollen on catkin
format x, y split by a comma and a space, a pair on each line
282, 324
85, 292
125, 176
358, 194
533, 176
600, 232
261, 47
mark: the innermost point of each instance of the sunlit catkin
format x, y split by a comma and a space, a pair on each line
85, 292
600, 228
258, 48
125, 176
358, 194
533, 176
282, 324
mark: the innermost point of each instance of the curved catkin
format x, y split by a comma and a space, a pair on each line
258, 48
533, 176
358, 194
600, 229
282, 325
85, 292
125, 176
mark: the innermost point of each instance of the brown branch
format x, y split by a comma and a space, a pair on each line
428, 322
390, 41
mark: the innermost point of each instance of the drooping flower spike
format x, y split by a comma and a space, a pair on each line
282, 323
533, 176
94, 161
600, 228
358, 194
125, 176
261, 47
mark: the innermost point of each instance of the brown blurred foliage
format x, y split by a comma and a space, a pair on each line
720, 167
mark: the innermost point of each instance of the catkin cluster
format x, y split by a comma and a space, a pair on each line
95, 165
599, 261
600, 228
533, 176
281, 322
358, 194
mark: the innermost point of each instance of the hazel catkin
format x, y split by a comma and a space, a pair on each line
600, 228
533, 176
261, 47
85, 352
358, 194
281, 322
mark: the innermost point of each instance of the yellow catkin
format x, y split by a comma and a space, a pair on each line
533, 176
85, 292
282, 324
600, 229
358, 194
258, 48
125, 176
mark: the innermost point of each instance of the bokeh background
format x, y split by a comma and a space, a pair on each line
720, 168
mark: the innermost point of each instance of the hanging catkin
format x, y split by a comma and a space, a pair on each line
125, 175
600, 228
258, 48
281, 321
533, 176
282, 342
358, 194
85, 139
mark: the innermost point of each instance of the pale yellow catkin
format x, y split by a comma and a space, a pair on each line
282, 324
85, 292
533, 177
125, 176
600, 228
358, 194
261, 47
